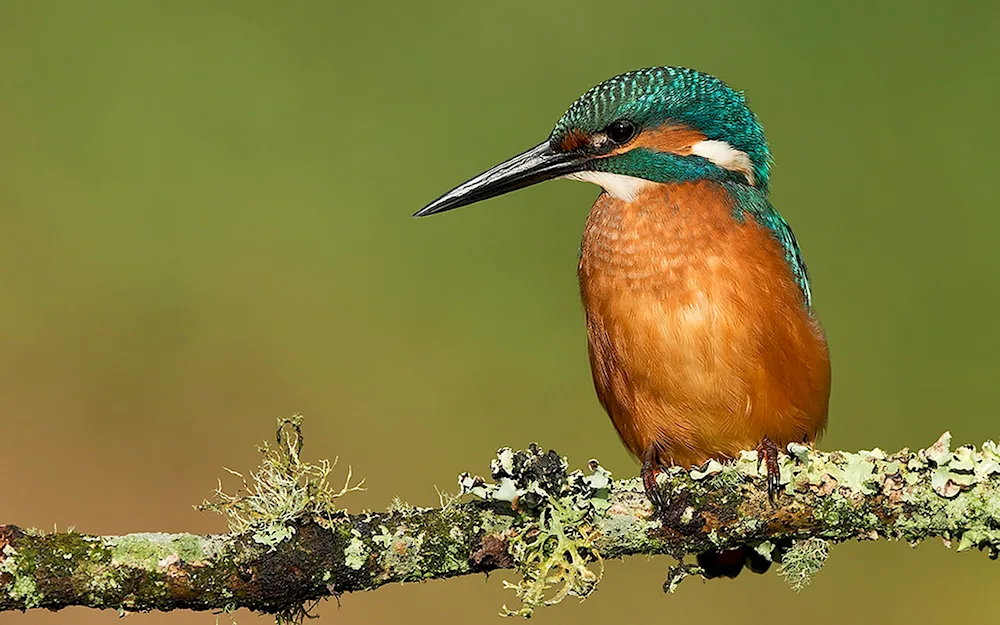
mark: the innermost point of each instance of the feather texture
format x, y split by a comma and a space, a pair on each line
701, 343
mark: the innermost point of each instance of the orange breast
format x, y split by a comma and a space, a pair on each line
700, 343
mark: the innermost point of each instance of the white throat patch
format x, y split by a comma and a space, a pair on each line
621, 187
726, 157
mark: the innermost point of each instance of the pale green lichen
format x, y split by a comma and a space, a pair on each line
356, 553
955, 498
844, 480
284, 489
765, 549
401, 553
383, 538
560, 519
22, 588
272, 535
961, 469
727, 480
555, 542
398, 506
678, 573
152, 551
552, 556
800, 563
712, 467
628, 532
855, 473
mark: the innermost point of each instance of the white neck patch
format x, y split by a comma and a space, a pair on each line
726, 157
621, 187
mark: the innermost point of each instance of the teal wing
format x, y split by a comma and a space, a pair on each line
755, 203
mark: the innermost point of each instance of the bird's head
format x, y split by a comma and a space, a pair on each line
663, 124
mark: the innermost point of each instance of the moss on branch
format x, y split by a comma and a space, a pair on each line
290, 546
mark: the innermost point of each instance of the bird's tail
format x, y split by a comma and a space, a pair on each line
731, 562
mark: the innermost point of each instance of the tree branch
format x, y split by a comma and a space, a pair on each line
554, 527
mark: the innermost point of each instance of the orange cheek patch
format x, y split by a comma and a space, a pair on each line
675, 139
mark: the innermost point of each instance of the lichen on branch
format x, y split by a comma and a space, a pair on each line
284, 490
553, 543
290, 545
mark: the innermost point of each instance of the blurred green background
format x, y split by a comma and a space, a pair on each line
205, 224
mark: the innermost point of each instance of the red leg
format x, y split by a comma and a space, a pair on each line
650, 469
767, 452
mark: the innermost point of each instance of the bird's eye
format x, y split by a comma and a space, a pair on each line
620, 131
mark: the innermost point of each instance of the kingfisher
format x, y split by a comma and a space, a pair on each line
702, 337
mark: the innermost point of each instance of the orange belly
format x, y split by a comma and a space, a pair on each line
700, 342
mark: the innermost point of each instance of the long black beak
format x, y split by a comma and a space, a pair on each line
538, 164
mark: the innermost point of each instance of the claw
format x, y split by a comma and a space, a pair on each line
768, 451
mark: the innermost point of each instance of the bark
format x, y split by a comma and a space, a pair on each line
553, 526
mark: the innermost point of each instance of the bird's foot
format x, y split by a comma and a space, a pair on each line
767, 452
650, 469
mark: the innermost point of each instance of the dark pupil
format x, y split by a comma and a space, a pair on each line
620, 131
